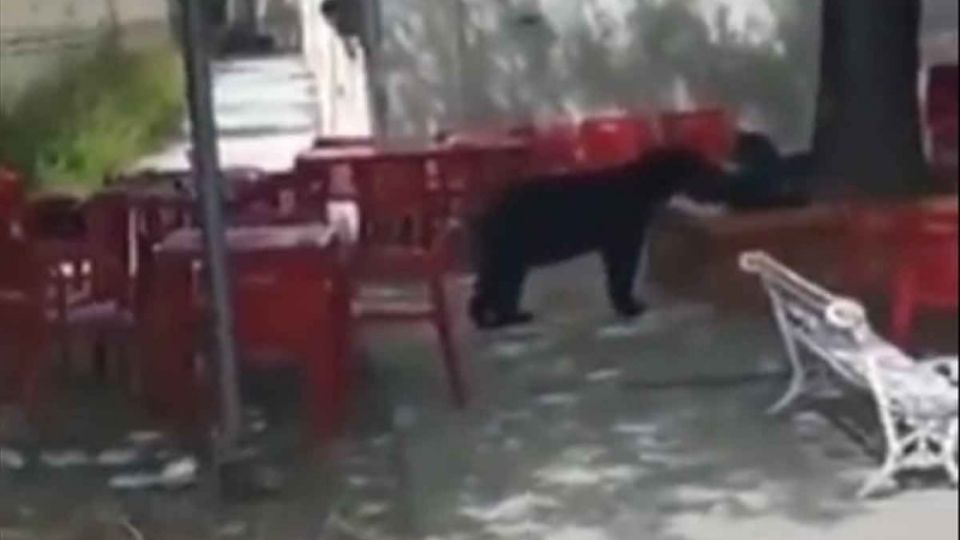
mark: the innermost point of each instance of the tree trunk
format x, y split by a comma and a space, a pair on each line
868, 134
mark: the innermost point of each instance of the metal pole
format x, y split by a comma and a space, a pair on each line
376, 92
462, 18
206, 173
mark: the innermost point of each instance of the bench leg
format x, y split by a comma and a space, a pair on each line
950, 454
883, 478
797, 382
798, 377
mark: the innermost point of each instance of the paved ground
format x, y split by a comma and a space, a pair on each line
581, 429
584, 429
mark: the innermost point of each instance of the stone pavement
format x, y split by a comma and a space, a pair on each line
586, 429
582, 428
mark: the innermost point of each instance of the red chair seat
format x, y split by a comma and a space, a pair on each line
103, 314
392, 264
391, 309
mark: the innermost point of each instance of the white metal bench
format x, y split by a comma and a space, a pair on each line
916, 401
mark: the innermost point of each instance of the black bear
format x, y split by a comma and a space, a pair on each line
763, 178
554, 218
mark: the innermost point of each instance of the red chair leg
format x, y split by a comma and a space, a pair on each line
904, 310
323, 395
35, 372
441, 320
341, 330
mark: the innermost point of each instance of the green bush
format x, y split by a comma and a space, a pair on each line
94, 118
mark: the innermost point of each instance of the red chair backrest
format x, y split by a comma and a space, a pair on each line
471, 177
156, 217
555, 148
397, 205
284, 197
55, 216
613, 141
711, 132
11, 192
110, 234
17, 273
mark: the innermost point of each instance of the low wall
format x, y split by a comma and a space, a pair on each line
38, 36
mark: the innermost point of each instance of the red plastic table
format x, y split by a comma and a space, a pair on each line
291, 307
337, 162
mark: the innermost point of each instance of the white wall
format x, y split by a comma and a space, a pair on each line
940, 31
36, 36
341, 78
759, 57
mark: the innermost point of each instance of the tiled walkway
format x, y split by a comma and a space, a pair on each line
584, 429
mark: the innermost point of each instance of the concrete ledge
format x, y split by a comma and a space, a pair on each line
698, 256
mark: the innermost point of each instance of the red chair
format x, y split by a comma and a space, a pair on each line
613, 141
56, 289
157, 216
555, 149
291, 308
925, 274
112, 292
711, 132
471, 177
404, 238
25, 350
284, 198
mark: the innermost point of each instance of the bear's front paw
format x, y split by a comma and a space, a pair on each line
630, 308
499, 321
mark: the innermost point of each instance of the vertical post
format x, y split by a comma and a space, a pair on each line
376, 90
206, 173
461, 19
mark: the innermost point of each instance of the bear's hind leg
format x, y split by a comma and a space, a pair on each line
496, 296
622, 261
509, 293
